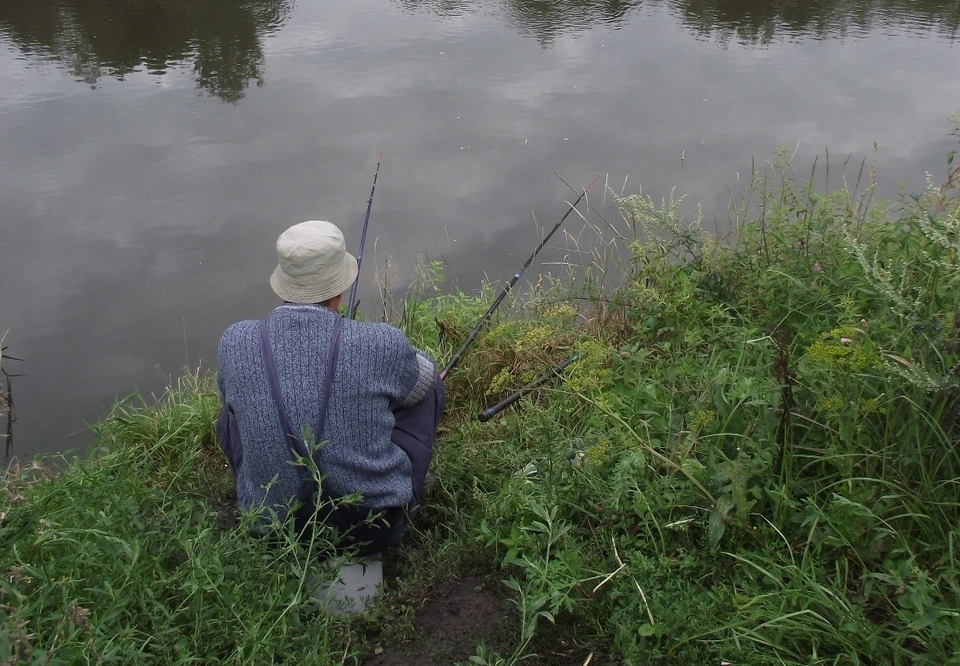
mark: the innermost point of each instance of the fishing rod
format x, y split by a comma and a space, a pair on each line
352, 308
555, 371
506, 290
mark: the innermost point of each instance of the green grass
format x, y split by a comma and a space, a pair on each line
754, 460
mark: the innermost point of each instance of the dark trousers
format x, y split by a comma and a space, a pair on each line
414, 431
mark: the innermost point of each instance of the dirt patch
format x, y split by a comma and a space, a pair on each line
228, 515
224, 505
451, 625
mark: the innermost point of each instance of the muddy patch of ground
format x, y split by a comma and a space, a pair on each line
451, 624
453, 619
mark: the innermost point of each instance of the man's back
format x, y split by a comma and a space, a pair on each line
377, 371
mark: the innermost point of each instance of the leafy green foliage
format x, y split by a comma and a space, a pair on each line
762, 465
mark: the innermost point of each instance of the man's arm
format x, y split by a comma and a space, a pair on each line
221, 367
415, 373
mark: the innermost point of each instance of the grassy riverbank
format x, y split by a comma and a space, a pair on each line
754, 460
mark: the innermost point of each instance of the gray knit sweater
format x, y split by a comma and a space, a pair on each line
378, 370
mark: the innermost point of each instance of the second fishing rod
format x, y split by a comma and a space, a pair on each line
352, 307
553, 372
506, 290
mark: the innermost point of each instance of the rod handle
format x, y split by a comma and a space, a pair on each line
555, 371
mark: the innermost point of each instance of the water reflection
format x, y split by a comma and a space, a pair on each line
761, 21
543, 19
221, 39
756, 22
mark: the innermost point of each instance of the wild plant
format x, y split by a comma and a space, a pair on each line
134, 557
771, 435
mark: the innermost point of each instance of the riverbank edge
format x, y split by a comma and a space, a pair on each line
754, 460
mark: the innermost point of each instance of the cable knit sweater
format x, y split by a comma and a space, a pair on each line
377, 370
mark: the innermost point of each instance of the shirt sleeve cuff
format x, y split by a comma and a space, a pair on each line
426, 376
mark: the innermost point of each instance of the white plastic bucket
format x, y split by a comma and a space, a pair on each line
356, 584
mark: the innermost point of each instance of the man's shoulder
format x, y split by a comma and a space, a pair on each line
381, 336
390, 339
239, 333
373, 330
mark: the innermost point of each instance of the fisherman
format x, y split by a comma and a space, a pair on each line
357, 396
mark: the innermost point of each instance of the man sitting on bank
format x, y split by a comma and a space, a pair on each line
361, 389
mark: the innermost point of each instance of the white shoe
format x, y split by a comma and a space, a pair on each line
356, 584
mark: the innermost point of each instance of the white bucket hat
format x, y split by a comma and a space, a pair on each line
314, 263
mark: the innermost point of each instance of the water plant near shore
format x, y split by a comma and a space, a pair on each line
7, 409
754, 460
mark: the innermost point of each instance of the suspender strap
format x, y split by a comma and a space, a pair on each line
334, 353
270, 364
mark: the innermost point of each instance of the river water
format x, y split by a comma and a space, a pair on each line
152, 150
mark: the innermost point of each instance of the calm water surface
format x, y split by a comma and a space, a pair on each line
152, 150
